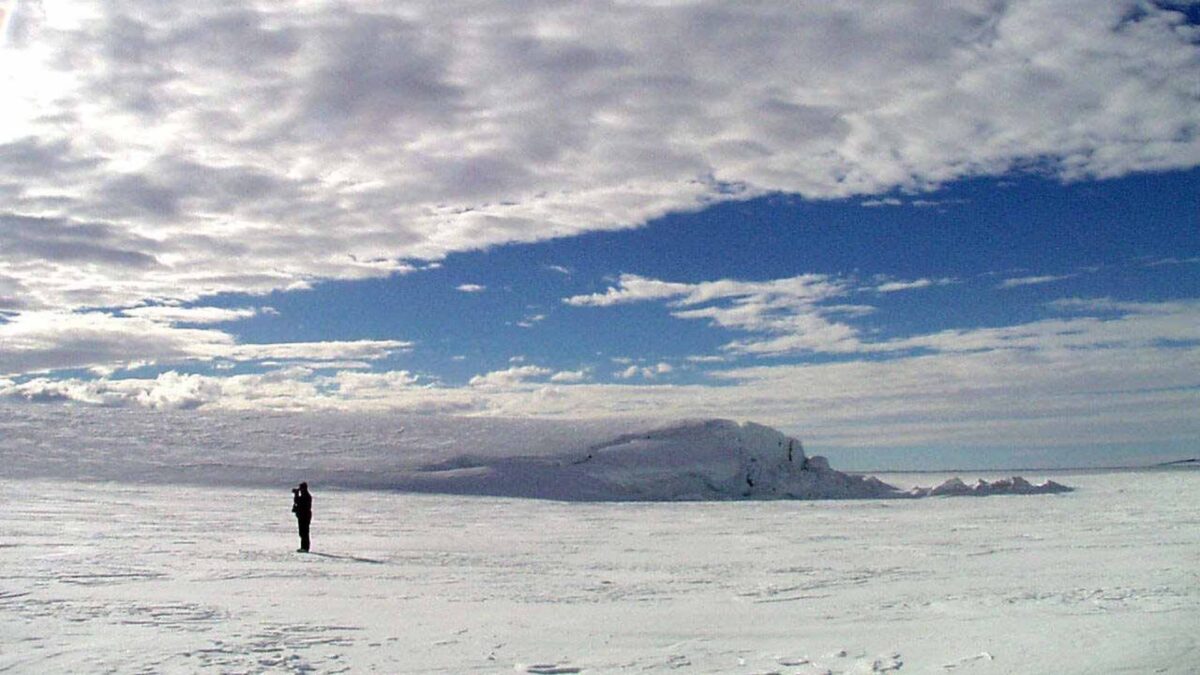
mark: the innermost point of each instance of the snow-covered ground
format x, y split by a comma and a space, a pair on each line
162, 541
121, 577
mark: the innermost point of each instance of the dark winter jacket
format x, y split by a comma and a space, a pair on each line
302, 505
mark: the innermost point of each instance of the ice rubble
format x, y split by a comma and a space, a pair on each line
1016, 485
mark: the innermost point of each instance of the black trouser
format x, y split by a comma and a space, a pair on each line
304, 519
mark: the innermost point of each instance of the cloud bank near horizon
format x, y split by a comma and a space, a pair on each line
1104, 372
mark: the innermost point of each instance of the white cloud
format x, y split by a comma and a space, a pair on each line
510, 377
531, 320
898, 285
150, 151
1032, 281
1174, 261
935, 203
43, 341
1137, 326
645, 372
471, 288
373, 385
789, 316
806, 288
569, 376
888, 201
332, 350
201, 315
630, 372
790, 308
631, 288
47, 341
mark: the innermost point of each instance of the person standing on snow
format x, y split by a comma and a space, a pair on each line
302, 507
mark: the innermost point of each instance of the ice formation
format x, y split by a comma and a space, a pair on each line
1016, 485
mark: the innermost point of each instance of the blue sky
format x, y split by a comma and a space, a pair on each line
922, 234
999, 251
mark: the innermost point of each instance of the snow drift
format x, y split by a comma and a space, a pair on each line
609, 460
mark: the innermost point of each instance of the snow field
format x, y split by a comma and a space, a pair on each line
104, 576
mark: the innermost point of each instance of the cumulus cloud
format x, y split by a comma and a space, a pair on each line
149, 148
645, 372
510, 376
471, 288
569, 376
169, 391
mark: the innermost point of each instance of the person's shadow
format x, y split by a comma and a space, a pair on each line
369, 561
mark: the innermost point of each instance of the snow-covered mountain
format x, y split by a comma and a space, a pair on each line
575, 461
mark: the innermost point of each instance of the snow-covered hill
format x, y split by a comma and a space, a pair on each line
690, 460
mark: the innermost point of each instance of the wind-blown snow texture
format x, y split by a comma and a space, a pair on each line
593, 461
102, 577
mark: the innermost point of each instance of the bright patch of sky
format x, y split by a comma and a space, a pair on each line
905, 227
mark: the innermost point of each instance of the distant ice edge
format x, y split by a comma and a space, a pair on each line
694, 460
614, 459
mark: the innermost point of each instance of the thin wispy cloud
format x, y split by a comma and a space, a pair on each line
195, 315
898, 285
531, 320
1017, 282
